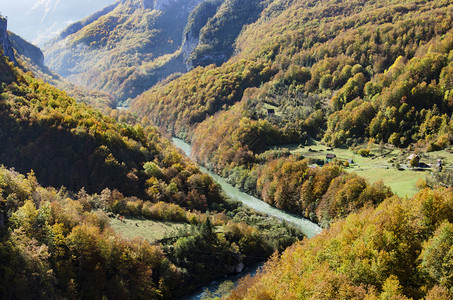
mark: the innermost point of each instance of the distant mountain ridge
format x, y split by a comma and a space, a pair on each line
28, 57
131, 45
73, 28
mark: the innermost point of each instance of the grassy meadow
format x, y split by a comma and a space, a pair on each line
381, 164
148, 229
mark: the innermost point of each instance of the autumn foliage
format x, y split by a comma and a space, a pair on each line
400, 250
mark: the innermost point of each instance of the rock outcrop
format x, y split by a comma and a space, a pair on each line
5, 42
25, 49
198, 18
157, 4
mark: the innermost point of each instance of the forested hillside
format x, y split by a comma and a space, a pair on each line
68, 143
54, 247
379, 64
56, 242
343, 73
119, 52
128, 47
400, 250
30, 58
258, 76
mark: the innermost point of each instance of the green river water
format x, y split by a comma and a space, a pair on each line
309, 228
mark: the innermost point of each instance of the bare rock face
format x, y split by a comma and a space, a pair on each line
26, 49
156, 4
5, 42
163, 5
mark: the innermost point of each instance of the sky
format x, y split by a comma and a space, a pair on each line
40, 20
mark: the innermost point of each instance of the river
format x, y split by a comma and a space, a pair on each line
309, 228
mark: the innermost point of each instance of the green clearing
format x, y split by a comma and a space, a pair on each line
380, 165
148, 229
267, 107
402, 183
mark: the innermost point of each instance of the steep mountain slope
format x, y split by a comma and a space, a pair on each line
56, 242
68, 143
401, 250
358, 69
215, 40
344, 72
130, 46
303, 68
30, 58
126, 50
26, 51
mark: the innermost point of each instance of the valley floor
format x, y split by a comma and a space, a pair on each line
381, 164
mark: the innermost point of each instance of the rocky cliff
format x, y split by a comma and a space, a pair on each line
198, 18
216, 39
158, 4
5, 42
26, 50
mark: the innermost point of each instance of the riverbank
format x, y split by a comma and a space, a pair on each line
227, 283
309, 228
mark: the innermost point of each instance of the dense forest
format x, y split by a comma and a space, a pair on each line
245, 79
400, 250
60, 238
56, 244
376, 64
344, 73
71, 144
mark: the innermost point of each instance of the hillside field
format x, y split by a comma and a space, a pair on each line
150, 230
379, 165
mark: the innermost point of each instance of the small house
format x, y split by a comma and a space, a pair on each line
270, 112
330, 156
439, 164
413, 160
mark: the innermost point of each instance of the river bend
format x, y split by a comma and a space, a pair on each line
309, 228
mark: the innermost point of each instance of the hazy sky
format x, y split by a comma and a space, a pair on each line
38, 20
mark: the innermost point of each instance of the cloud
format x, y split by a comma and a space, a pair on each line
48, 6
42, 18
46, 34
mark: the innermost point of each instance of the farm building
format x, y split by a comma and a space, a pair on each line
413, 160
330, 156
